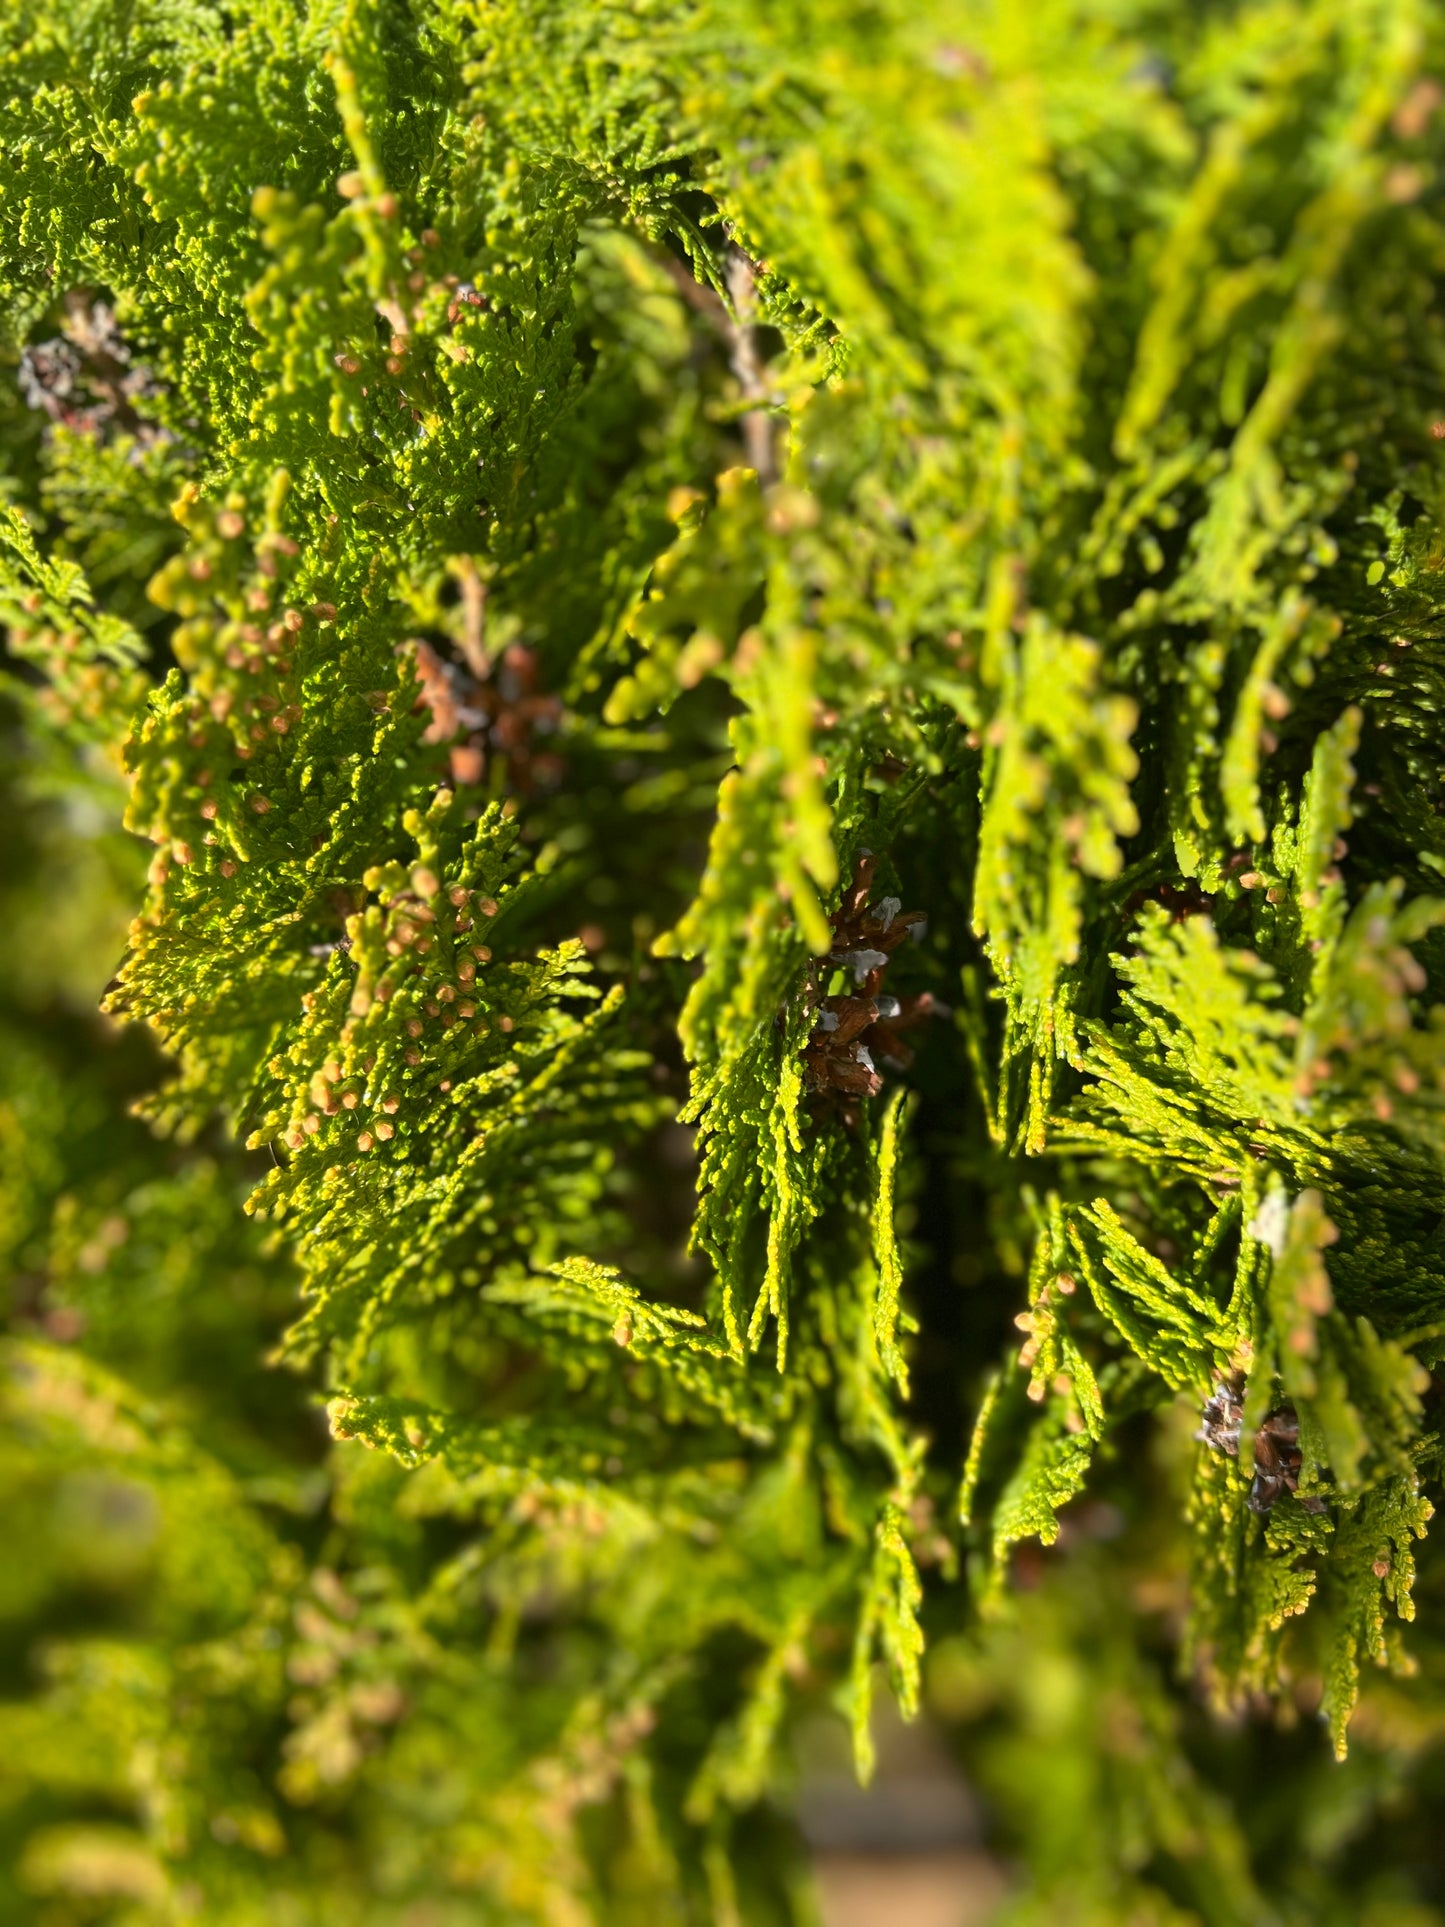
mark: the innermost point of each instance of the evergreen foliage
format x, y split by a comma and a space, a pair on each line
783, 669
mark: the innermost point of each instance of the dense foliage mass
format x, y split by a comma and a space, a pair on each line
782, 667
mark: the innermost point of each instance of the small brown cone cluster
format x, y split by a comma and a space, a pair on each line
1277, 1455
500, 715
84, 378
859, 1029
